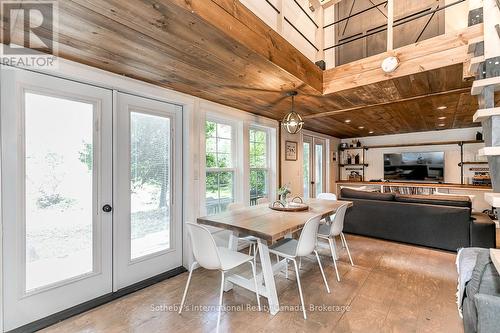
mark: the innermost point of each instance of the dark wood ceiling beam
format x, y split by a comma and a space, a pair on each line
334, 112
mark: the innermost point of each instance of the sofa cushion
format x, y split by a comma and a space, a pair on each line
455, 201
353, 194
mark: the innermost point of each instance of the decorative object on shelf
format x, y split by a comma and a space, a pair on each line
292, 122
479, 136
344, 145
290, 150
356, 159
354, 176
283, 191
349, 159
358, 143
390, 64
481, 177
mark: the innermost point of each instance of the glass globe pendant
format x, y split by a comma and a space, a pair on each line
292, 122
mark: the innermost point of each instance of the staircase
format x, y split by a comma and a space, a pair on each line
485, 62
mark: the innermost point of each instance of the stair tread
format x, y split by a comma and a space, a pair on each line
479, 85
492, 198
489, 151
483, 114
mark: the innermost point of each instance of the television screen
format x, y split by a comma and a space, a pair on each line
424, 167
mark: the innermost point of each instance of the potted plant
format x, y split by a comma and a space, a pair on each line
283, 192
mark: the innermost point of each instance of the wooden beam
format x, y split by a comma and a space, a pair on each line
334, 112
240, 24
433, 53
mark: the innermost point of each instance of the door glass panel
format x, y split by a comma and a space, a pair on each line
318, 169
307, 168
149, 184
59, 196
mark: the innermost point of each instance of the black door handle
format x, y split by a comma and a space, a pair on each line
107, 208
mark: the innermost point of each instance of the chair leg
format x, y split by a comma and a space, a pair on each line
255, 283
255, 251
187, 286
300, 263
346, 247
286, 268
250, 249
220, 299
332, 250
300, 288
322, 272
277, 258
342, 240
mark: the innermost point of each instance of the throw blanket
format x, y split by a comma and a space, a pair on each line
466, 260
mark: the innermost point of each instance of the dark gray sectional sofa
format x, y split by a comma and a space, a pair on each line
443, 222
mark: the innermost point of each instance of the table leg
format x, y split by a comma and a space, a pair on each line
267, 272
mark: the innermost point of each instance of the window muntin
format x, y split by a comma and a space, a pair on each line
219, 188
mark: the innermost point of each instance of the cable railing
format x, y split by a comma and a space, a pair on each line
367, 46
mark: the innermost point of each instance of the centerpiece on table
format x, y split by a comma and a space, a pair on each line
294, 205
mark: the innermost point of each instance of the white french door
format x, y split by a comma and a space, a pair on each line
148, 181
314, 166
56, 177
91, 192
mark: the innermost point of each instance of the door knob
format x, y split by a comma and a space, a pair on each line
107, 208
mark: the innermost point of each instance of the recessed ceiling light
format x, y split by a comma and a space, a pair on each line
347, 121
441, 125
371, 132
442, 107
361, 127
441, 118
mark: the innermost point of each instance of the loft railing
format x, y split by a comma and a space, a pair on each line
387, 35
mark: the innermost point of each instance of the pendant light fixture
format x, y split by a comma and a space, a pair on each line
292, 122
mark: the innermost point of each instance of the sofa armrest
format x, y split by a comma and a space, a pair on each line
488, 308
482, 231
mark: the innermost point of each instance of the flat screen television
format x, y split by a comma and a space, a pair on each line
421, 167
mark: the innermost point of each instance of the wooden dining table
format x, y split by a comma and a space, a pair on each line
268, 226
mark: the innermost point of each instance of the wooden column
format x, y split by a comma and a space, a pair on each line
390, 22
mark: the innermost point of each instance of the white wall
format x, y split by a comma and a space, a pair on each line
292, 172
374, 157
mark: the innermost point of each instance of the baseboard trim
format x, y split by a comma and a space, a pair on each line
80, 308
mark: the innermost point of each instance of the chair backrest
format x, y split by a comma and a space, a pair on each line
262, 201
338, 220
235, 206
327, 196
307, 239
204, 248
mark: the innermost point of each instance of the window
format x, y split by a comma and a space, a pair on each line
259, 173
219, 190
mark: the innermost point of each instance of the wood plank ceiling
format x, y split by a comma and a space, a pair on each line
220, 51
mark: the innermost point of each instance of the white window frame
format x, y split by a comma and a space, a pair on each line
234, 158
268, 168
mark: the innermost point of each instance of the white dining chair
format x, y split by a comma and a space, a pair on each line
263, 200
333, 229
209, 256
250, 240
291, 249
